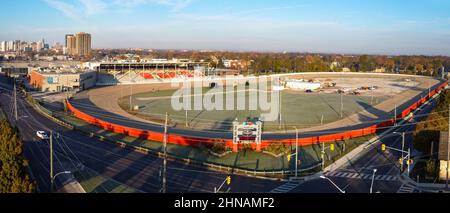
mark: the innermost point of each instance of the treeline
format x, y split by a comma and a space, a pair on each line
428, 131
14, 177
263, 62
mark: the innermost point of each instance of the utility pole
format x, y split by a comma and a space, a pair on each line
296, 152
15, 103
431, 149
164, 189
51, 161
448, 149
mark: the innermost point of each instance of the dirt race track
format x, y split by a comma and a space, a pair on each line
107, 98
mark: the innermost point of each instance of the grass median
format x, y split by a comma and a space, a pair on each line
309, 156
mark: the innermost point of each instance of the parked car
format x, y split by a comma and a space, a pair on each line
308, 91
42, 135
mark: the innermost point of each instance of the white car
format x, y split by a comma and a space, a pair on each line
42, 135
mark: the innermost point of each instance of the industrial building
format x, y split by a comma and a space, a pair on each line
48, 80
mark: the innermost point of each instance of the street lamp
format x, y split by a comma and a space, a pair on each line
337, 187
373, 179
54, 177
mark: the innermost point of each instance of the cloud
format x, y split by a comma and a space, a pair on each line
67, 9
78, 9
92, 7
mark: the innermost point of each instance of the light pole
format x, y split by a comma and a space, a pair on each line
51, 161
337, 187
395, 115
342, 105
54, 177
373, 179
131, 97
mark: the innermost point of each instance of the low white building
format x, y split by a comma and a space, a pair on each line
302, 85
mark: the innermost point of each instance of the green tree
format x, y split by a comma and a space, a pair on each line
13, 175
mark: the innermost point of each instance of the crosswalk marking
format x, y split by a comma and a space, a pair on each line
287, 187
405, 188
363, 176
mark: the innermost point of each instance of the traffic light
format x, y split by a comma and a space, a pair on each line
409, 162
383, 147
289, 158
228, 180
400, 161
332, 147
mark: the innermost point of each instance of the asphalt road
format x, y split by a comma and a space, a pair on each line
75, 151
357, 176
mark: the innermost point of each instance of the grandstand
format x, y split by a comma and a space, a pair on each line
114, 73
146, 76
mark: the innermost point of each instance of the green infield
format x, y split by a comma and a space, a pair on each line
298, 109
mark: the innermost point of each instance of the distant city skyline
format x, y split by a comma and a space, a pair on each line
403, 27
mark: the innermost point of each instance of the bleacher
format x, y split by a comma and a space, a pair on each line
148, 76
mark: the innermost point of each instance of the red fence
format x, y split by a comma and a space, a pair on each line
189, 141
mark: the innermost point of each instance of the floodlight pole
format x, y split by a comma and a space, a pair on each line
279, 109
186, 118
131, 97
342, 105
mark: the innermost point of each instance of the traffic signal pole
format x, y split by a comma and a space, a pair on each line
164, 189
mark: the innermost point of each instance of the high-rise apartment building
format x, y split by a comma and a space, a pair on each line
83, 44
79, 44
71, 45
3, 46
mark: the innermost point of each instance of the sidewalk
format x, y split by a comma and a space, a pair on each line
72, 187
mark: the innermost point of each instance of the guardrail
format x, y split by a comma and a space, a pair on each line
210, 166
47, 113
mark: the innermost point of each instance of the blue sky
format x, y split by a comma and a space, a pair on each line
329, 26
